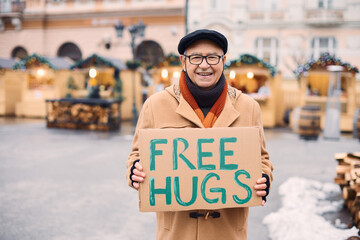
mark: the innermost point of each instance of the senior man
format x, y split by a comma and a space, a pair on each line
202, 99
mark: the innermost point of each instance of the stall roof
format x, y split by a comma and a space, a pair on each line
60, 62
7, 63
33, 60
249, 59
322, 62
96, 60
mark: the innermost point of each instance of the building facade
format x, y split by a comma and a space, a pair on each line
79, 28
284, 33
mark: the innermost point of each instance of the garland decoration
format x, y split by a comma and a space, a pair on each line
33, 60
322, 62
94, 60
249, 59
171, 59
98, 61
133, 64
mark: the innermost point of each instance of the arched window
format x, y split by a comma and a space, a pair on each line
149, 52
70, 50
19, 52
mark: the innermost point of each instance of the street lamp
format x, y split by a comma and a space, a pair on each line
135, 31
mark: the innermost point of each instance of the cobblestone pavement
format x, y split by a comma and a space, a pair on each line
68, 184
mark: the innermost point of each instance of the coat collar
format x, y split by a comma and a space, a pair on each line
228, 115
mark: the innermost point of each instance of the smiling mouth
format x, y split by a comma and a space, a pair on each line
204, 74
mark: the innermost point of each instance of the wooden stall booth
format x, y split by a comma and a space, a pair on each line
315, 77
259, 80
10, 87
111, 79
41, 78
89, 114
165, 73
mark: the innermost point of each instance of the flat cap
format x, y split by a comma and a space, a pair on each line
211, 35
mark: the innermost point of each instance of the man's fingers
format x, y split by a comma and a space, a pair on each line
138, 166
136, 185
260, 186
260, 193
261, 180
137, 179
138, 173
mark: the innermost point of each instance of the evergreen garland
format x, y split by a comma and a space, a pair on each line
249, 59
322, 62
33, 60
94, 60
171, 59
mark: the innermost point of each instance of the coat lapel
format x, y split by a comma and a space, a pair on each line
186, 111
228, 115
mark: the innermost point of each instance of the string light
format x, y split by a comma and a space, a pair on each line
92, 72
232, 74
164, 73
250, 75
176, 74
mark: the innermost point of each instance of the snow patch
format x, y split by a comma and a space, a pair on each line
299, 218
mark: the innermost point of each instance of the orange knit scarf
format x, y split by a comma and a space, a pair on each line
215, 110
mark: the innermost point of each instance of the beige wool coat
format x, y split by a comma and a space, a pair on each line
168, 109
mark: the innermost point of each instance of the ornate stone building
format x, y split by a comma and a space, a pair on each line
284, 33
79, 28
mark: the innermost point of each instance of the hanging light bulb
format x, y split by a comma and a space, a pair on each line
40, 72
232, 74
176, 74
92, 72
164, 73
250, 75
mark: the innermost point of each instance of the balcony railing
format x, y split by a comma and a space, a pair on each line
13, 7
267, 15
324, 16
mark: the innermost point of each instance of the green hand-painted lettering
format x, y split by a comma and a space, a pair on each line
154, 152
166, 191
247, 188
221, 190
201, 154
223, 153
194, 191
175, 154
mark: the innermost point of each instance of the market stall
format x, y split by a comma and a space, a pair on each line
10, 87
165, 73
89, 114
314, 77
259, 80
41, 78
111, 79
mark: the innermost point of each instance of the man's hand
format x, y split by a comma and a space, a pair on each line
138, 175
261, 188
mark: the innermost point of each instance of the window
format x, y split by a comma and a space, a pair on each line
266, 49
70, 50
19, 52
266, 5
325, 4
321, 45
149, 52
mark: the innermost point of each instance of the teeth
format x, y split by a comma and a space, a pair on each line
204, 74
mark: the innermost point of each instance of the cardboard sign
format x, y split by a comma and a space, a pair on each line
194, 168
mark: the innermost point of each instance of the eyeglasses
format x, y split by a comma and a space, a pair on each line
198, 59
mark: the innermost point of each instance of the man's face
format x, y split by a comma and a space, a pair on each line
204, 75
